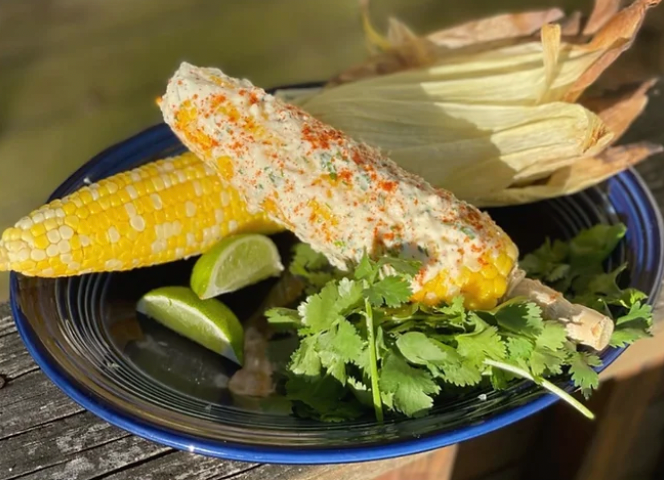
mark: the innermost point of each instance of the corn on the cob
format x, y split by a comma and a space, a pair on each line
160, 212
339, 195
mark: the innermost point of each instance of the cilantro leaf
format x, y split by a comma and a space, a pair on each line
419, 349
361, 391
305, 360
583, 376
350, 294
391, 291
348, 343
553, 335
312, 267
440, 359
544, 360
622, 337
629, 297
408, 268
593, 245
635, 324
637, 311
334, 366
522, 317
343, 341
322, 398
595, 289
306, 259
409, 387
547, 262
476, 347
461, 374
366, 269
320, 311
381, 346
283, 316
558, 272
455, 311
544, 354
519, 350
500, 378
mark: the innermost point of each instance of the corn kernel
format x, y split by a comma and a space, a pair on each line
117, 224
41, 242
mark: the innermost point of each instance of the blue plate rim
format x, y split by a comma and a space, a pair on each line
238, 452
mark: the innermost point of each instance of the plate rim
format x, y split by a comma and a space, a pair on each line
268, 454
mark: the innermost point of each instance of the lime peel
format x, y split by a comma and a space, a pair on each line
234, 263
209, 322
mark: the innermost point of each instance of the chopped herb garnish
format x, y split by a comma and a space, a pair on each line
365, 347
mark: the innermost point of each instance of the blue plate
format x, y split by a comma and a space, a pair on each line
84, 333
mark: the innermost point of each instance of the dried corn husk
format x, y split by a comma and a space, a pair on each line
604, 11
500, 27
447, 142
486, 111
579, 176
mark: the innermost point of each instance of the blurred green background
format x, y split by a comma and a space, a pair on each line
78, 75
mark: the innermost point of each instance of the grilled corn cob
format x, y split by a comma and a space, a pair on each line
160, 212
339, 195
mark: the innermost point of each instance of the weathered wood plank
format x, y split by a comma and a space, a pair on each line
7, 325
55, 443
30, 401
645, 452
436, 465
348, 471
95, 462
507, 474
14, 358
181, 466
498, 451
607, 455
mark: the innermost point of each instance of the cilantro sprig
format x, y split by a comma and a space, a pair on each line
576, 268
365, 346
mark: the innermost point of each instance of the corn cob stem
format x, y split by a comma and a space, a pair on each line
582, 324
163, 211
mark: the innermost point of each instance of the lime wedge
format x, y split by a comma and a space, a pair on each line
234, 263
209, 323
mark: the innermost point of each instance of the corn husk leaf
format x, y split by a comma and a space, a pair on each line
507, 110
402, 49
571, 26
616, 36
603, 11
446, 143
513, 73
619, 110
499, 27
581, 175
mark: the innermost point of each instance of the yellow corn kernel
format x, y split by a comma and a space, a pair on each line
161, 212
481, 289
69, 208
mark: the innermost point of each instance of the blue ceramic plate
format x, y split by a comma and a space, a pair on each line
85, 335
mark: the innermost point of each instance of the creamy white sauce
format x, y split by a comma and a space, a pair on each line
338, 195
